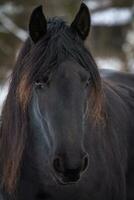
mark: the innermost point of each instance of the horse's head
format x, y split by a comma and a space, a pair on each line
60, 93
55, 90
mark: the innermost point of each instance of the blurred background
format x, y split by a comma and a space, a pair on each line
111, 40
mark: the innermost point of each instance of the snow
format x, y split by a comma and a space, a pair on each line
13, 28
92, 5
112, 17
110, 63
11, 8
3, 94
109, 16
4, 90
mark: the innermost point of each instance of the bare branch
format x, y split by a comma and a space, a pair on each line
12, 27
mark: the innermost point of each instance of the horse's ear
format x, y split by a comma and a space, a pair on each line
37, 25
82, 22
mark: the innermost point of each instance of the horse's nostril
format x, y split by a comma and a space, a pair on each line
58, 165
69, 171
85, 162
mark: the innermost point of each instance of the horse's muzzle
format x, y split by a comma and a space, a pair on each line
65, 175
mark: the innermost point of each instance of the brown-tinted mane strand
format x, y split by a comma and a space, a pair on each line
14, 125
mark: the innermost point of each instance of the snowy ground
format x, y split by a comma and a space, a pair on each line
112, 17
109, 63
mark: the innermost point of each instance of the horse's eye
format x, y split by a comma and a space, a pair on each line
39, 85
88, 82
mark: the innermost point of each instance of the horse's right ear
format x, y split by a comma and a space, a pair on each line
37, 25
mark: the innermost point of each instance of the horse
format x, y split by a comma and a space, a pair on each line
67, 129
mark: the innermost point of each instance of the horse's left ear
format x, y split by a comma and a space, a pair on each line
37, 25
82, 22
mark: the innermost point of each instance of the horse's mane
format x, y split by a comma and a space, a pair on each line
58, 44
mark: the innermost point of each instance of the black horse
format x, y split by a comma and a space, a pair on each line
67, 130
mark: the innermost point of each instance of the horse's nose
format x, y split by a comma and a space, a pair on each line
68, 171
